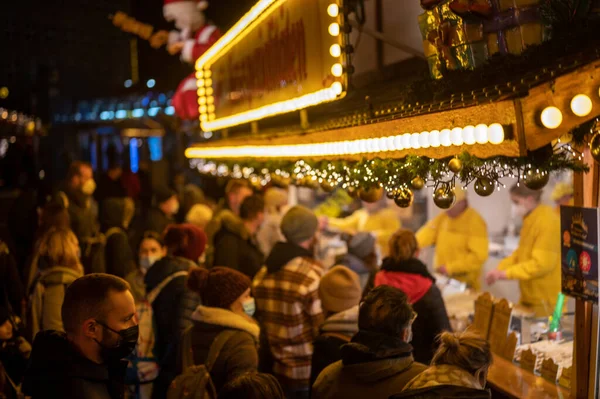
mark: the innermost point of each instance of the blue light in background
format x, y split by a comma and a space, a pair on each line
170, 110
145, 101
155, 146
93, 155
128, 83
137, 113
162, 98
151, 83
133, 155
121, 114
153, 111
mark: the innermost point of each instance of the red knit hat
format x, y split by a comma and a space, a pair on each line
218, 287
185, 240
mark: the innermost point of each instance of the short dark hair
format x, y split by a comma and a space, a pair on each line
385, 310
86, 298
152, 235
235, 185
522, 191
75, 168
251, 207
253, 385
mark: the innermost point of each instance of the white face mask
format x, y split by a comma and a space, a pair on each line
89, 187
249, 306
147, 262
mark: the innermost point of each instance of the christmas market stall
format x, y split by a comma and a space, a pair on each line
512, 96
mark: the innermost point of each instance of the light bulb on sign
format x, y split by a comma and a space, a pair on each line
424, 140
468, 134
337, 88
337, 70
335, 50
209, 91
203, 109
406, 140
456, 136
414, 141
581, 105
445, 138
481, 134
202, 100
496, 133
334, 29
551, 117
333, 10
434, 138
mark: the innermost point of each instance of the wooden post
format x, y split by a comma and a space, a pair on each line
254, 127
304, 119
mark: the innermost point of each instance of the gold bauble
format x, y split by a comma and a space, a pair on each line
444, 198
352, 192
371, 195
455, 165
484, 186
327, 187
536, 180
595, 147
391, 194
417, 183
404, 198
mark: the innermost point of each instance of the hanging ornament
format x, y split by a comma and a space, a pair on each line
417, 183
352, 192
536, 179
371, 195
404, 197
455, 165
484, 186
391, 194
327, 187
444, 198
595, 147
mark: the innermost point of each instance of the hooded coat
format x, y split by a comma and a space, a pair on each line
157, 221
58, 370
234, 247
83, 221
373, 366
444, 381
46, 298
118, 256
414, 280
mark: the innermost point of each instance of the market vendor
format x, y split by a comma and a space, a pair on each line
377, 218
562, 195
536, 261
461, 241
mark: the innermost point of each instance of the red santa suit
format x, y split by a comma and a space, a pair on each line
204, 38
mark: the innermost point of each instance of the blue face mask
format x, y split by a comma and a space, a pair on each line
249, 306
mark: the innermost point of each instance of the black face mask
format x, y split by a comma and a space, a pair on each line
126, 345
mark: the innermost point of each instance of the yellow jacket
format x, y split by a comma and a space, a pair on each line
461, 244
536, 262
383, 224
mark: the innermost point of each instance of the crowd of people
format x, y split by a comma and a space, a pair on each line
118, 299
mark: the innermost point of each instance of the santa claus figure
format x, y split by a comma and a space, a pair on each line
193, 37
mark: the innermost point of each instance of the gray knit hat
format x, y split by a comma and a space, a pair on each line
362, 245
299, 224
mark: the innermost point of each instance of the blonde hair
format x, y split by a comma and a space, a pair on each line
466, 350
59, 247
403, 245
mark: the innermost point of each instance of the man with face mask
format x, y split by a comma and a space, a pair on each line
287, 301
461, 241
536, 261
101, 329
162, 214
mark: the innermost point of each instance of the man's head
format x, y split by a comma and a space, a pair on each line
460, 205
115, 171
403, 245
236, 192
252, 212
386, 310
97, 310
524, 199
300, 226
81, 177
167, 201
275, 200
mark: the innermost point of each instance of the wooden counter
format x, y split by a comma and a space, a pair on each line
515, 382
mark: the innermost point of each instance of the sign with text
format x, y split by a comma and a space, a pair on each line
284, 55
579, 252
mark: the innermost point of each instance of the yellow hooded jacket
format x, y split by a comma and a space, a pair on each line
461, 244
536, 262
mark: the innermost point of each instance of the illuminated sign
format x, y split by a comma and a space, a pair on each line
282, 56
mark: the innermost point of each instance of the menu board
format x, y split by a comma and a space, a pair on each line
579, 252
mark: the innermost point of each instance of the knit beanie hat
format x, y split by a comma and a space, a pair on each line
339, 289
163, 194
185, 240
218, 287
275, 197
299, 224
362, 245
199, 215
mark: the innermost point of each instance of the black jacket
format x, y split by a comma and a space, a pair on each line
83, 222
432, 316
11, 288
234, 248
172, 311
444, 392
58, 370
157, 221
118, 256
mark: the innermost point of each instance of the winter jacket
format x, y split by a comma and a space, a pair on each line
11, 288
108, 188
414, 280
172, 310
135, 279
461, 245
46, 298
213, 227
358, 266
289, 309
157, 221
118, 256
536, 262
14, 355
373, 366
383, 224
444, 381
83, 220
58, 370
336, 331
269, 232
235, 248
239, 354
